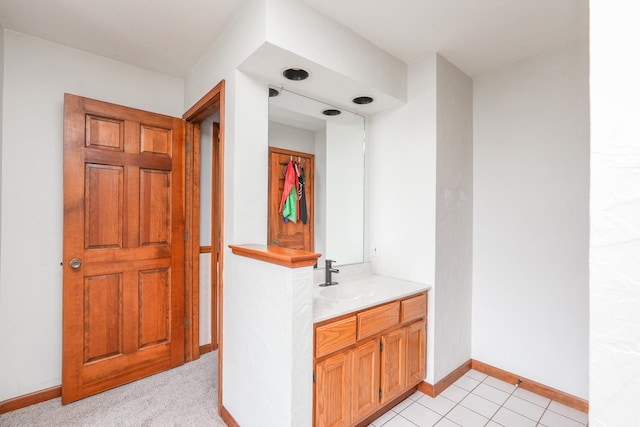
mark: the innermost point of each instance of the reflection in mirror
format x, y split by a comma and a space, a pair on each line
337, 142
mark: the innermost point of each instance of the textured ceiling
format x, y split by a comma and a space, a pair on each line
169, 36
475, 35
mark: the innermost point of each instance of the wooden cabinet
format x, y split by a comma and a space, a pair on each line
365, 360
332, 386
392, 362
335, 336
365, 379
416, 352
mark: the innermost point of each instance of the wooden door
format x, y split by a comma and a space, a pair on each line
416, 347
392, 365
365, 384
123, 294
332, 394
289, 234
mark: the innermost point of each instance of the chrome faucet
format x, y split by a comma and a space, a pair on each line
327, 273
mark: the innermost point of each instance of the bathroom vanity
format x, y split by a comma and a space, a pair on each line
337, 355
369, 347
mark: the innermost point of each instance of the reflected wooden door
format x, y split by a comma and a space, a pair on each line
289, 234
123, 265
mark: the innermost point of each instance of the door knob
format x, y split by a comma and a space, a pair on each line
276, 242
75, 263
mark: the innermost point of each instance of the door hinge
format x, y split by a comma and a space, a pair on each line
380, 394
186, 235
314, 377
381, 347
186, 322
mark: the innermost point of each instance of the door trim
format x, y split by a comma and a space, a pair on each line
208, 105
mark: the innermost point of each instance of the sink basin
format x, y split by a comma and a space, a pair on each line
345, 292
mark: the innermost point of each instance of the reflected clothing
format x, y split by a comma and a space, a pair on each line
289, 201
302, 198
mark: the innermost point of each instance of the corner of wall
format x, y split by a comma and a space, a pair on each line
531, 220
454, 217
1, 146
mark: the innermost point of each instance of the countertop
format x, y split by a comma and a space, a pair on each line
359, 293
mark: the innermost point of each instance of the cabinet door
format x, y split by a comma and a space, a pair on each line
333, 386
392, 364
416, 360
365, 384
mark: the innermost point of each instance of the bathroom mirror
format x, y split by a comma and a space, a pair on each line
337, 141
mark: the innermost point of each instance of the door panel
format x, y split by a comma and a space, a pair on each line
333, 384
416, 348
123, 304
392, 364
103, 314
366, 380
103, 206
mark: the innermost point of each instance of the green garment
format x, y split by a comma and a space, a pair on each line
290, 209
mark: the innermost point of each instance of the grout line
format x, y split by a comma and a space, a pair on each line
562, 415
468, 392
400, 415
546, 408
502, 405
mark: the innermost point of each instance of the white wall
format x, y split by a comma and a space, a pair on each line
615, 215
530, 228
454, 219
268, 344
401, 152
320, 232
246, 123
206, 151
36, 75
344, 192
291, 138
1, 133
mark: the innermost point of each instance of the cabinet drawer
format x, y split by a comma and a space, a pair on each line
335, 335
413, 308
378, 319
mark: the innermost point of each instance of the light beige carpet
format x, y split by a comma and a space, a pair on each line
184, 396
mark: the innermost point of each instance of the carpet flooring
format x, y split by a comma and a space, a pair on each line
184, 396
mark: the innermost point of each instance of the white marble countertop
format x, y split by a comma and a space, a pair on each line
359, 293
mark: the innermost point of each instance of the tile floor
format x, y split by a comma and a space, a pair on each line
479, 400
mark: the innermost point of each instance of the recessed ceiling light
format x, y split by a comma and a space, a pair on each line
331, 112
295, 74
361, 100
273, 92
